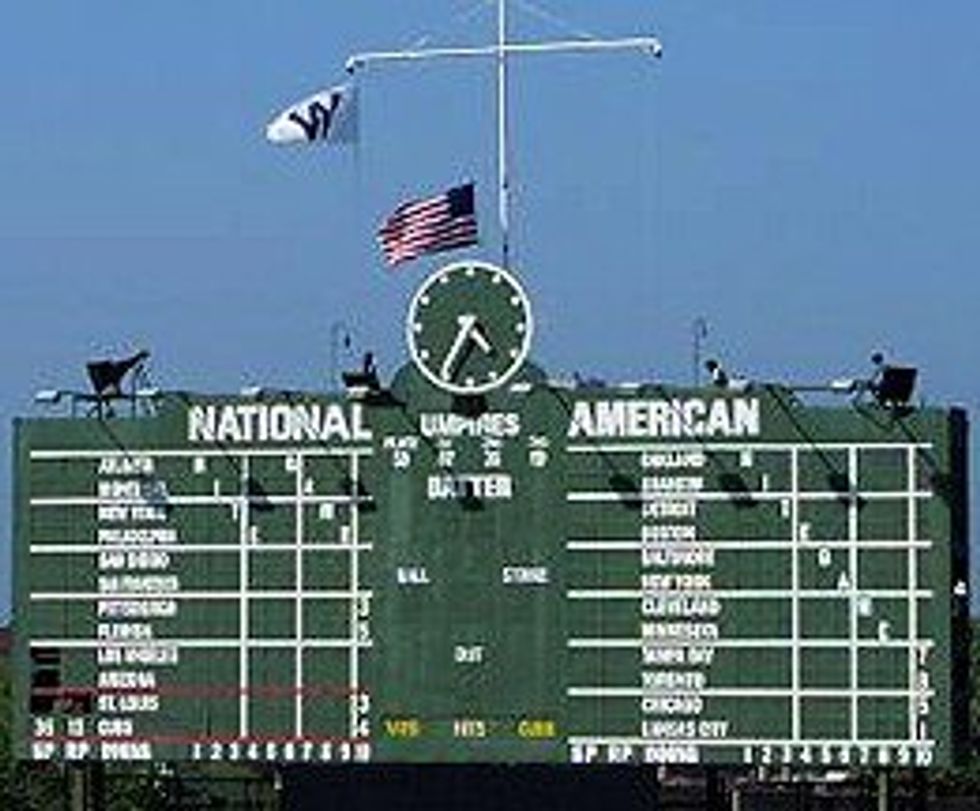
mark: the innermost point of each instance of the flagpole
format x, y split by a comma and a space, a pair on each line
651, 45
503, 200
500, 50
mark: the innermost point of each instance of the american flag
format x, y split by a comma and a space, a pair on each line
435, 224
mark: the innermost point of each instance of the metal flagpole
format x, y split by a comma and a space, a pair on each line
501, 50
503, 190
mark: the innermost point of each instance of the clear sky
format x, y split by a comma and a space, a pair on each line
804, 175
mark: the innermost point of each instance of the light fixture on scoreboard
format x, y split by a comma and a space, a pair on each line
895, 385
722, 380
49, 396
890, 385
362, 382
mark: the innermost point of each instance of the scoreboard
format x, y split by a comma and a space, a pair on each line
479, 564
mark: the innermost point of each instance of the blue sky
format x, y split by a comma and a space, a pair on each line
803, 175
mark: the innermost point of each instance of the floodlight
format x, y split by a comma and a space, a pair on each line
48, 396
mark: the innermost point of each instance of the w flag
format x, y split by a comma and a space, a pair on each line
329, 116
432, 225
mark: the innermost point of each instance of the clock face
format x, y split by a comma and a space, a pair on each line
469, 327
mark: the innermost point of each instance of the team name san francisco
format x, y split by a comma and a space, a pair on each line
277, 422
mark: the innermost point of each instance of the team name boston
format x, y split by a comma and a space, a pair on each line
279, 422
676, 417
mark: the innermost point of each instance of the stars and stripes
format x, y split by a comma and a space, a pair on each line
434, 224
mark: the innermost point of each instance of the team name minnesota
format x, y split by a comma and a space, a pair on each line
676, 417
279, 422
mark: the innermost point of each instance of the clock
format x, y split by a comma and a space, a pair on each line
469, 327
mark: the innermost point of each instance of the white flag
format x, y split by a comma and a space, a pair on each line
329, 116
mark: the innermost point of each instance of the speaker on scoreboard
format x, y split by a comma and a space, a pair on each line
895, 385
106, 375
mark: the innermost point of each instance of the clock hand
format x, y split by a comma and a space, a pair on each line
466, 321
480, 339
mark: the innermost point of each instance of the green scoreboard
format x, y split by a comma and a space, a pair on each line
478, 564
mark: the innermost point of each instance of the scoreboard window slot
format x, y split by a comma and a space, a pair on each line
204, 618
883, 718
272, 524
823, 718
327, 694
61, 573
271, 571
271, 619
825, 618
883, 668
883, 569
883, 520
325, 619
825, 667
748, 520
762, 717
62, 524
883, 618
823, 521
762, 667
774, 470
61, 618
748, 568
207, 692
205, 523
203, 571
825, 568
882, 469
272, 694
324, 571
823, 470
61, 477
756, 618
271, 475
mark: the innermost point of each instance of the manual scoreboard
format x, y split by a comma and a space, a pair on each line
479, 564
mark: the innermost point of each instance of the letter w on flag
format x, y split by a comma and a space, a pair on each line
435, 224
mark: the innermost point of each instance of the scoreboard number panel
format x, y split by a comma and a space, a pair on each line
485, 566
